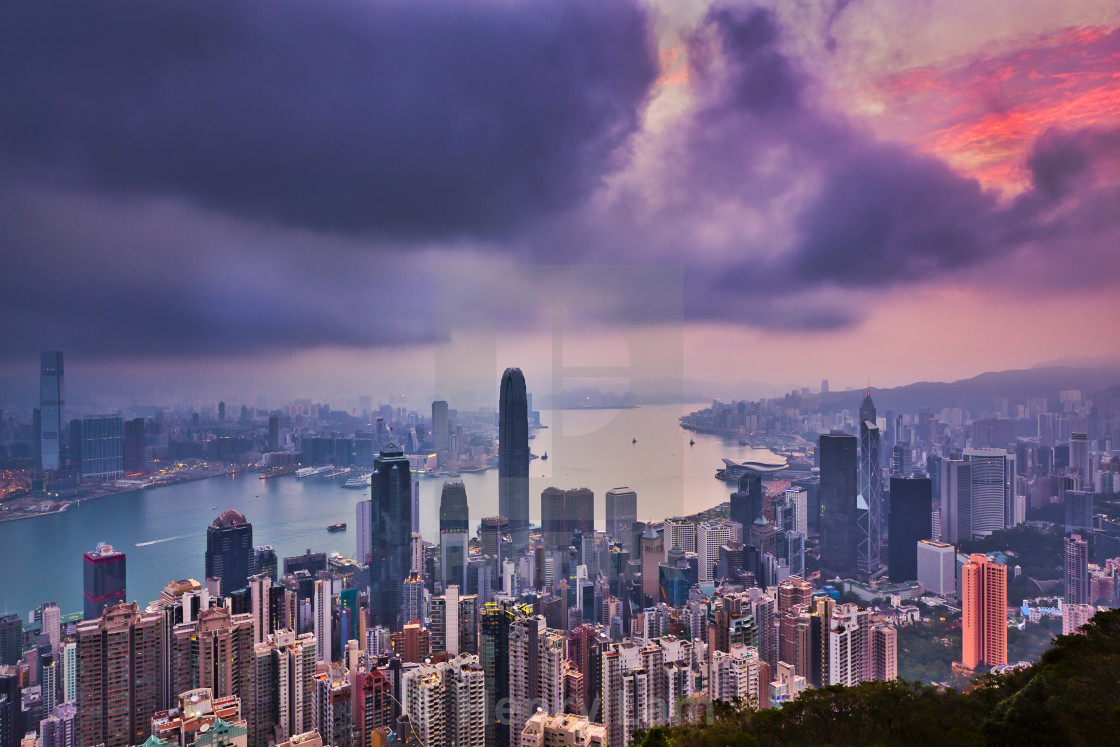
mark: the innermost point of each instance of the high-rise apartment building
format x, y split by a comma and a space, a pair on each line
909, 521
493, 654
120, 659
390, 560
446, 702
1077, 570
513, 457
882, 652
283, 675
102, 448
869, 501
622, 512
984, 612
230, 553
839, 470
103, 579
848, 645
525, 632
52, 404
216, 652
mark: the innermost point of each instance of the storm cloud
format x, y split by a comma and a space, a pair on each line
219, 179
409, 118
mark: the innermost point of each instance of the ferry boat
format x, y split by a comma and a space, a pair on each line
358, 482
340, 527
312, 471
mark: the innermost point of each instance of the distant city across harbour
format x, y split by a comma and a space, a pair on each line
163, 530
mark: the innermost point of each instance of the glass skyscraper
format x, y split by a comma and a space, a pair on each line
513, 457
454, 520
230, 554
869, 502
51, 403
102, 448
390, 533
838, 502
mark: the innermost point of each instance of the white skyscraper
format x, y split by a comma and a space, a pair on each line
710, 536
937, 567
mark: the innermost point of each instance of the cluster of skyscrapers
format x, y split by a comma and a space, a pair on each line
513, 636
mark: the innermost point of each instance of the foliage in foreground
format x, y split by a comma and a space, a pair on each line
1071, 697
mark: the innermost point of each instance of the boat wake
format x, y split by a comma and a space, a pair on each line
165, 539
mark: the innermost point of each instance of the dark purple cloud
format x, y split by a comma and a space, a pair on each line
411, 118
270, 176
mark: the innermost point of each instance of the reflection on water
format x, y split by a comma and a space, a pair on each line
163, 531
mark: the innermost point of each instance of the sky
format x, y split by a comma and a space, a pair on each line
271, 199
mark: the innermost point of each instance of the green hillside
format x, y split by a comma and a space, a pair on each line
1071, 697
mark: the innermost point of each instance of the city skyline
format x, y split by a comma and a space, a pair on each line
725, 137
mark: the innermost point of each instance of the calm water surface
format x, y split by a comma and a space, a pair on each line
163, 531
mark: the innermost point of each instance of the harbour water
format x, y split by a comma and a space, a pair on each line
163, 530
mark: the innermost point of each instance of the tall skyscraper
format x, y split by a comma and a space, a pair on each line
909, 522
562, 513
746, 502
11, 638
103, 579
134, 445
1077, 570
1080, 463
102, 448
984, 612
513, 457
992, 501
869, 501
441, 427
454, 531
52, 403
1078, 505
390, 533
230, 553
120, 659
622, 512
273, 433
838, 502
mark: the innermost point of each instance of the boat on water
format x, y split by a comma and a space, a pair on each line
312, 471
544, 457
340, 527
634, 441
691, 442
358, 482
